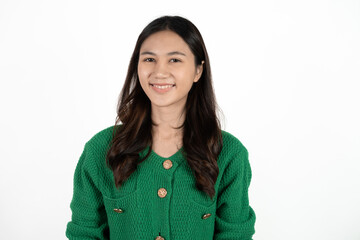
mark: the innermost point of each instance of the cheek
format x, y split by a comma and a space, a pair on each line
143, 84
186, 76
142, 74
140, 70
143, 69
141, 77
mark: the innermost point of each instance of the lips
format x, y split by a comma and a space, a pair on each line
162, 88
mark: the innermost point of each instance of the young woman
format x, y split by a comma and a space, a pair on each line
167, 171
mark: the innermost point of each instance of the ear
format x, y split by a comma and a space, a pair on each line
199, 70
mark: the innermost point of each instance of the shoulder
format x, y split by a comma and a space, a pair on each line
99, 144
234, 154
96, 148
231, 144
233, 160
103, 137
92, 162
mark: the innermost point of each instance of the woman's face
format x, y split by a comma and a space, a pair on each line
167, 69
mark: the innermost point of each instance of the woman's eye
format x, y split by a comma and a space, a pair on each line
175, 60
149, 60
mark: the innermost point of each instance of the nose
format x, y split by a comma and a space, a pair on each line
161, 70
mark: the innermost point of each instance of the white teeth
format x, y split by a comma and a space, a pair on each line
162, 86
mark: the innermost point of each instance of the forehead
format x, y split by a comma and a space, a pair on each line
164, 42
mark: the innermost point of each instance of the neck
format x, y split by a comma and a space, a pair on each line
167, 122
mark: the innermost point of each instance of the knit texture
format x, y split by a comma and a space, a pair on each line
136, 211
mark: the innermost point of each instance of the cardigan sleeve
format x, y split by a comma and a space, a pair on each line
235, 219
88, 219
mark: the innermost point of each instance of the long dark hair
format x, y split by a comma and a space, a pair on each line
202, 141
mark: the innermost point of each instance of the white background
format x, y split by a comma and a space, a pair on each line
286, 75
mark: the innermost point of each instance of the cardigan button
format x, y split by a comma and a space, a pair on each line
118, 210
205, 216
167, 164
159, 238
162, 192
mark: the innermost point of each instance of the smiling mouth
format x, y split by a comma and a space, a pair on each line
162, 86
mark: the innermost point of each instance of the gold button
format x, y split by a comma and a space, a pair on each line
162, 192
118, 210
167, 164
159, 238
205, 216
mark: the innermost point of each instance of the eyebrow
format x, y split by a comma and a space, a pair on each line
169, 54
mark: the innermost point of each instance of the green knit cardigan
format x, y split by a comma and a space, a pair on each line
160, 200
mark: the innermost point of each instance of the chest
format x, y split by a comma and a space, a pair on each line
161, 197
